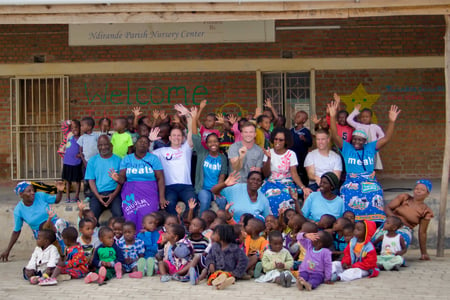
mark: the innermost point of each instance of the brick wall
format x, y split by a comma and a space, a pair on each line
398, 36
417, 146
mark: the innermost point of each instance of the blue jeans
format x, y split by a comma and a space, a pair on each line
205, 197
178, 192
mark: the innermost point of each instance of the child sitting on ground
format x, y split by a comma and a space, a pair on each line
87, 240
276, 262
393, 246
316, 268
349, 215
255, 244
272, 224
290, 240
44, 258
75, 262
284, 215
225, 261
178, 255
326, 223
342, 234
132, 248
360, 256
117, 227
108, 258
150, 236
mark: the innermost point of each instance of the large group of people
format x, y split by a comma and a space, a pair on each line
277, 203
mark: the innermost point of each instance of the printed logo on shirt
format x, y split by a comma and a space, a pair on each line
354, 161
140, 170
174, 155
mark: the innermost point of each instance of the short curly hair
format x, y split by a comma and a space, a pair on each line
288, 140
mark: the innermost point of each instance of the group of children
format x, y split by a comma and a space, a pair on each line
288, 250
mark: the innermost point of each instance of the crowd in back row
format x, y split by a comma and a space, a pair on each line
252, 171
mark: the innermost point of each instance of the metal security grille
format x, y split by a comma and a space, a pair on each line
38, 105
290, 92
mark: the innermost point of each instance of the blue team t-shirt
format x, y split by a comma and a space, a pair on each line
359, 161
35, 214
242, 204
212, 167
141, 169
97, 169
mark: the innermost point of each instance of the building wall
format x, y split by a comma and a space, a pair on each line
418, 143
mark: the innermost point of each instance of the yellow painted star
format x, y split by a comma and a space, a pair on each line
360, 95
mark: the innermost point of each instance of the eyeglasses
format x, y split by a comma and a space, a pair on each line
277, 139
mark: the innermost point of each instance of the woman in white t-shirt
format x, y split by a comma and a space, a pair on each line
280, 166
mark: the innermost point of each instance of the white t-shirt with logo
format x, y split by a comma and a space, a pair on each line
176, 164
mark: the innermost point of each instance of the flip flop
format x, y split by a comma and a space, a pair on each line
101, 275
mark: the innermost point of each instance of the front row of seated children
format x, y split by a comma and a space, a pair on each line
296, 251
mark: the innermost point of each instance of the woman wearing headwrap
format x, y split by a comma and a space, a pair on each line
324, 201
413, 211
32, 209
361, 191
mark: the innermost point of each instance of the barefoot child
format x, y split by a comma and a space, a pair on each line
225, 261
316, 267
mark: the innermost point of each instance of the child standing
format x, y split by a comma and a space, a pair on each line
150, 236
72, 171
88, 141
132, 248
75, 263
121, 139
225, 261
276, 262
360, 257
373, 131
208, 125
393, 246
105, 126
44, 258
108, 258
263, 132
316, 268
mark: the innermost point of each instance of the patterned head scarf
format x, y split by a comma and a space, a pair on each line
425, 182
360, 133
21, 186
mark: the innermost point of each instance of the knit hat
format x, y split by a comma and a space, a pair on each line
332, 178
360, 133
425, 182
21, 186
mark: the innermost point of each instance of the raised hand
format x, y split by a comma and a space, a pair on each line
156, 114
336, 97
203, 104
51, 212
293, 193
194, 112
242, 151
179, 209
113, 174
358, 107
192, 204
258, 112
268, 103
81, 205
315, 119
333, 108
183, 111
162, 114
220, 119
393, 113
312, 236
153, 136
136, 111
232, 119
233, 178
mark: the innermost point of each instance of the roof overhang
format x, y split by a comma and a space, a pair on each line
148, 11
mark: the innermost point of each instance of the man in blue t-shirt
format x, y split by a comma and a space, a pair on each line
105, 191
